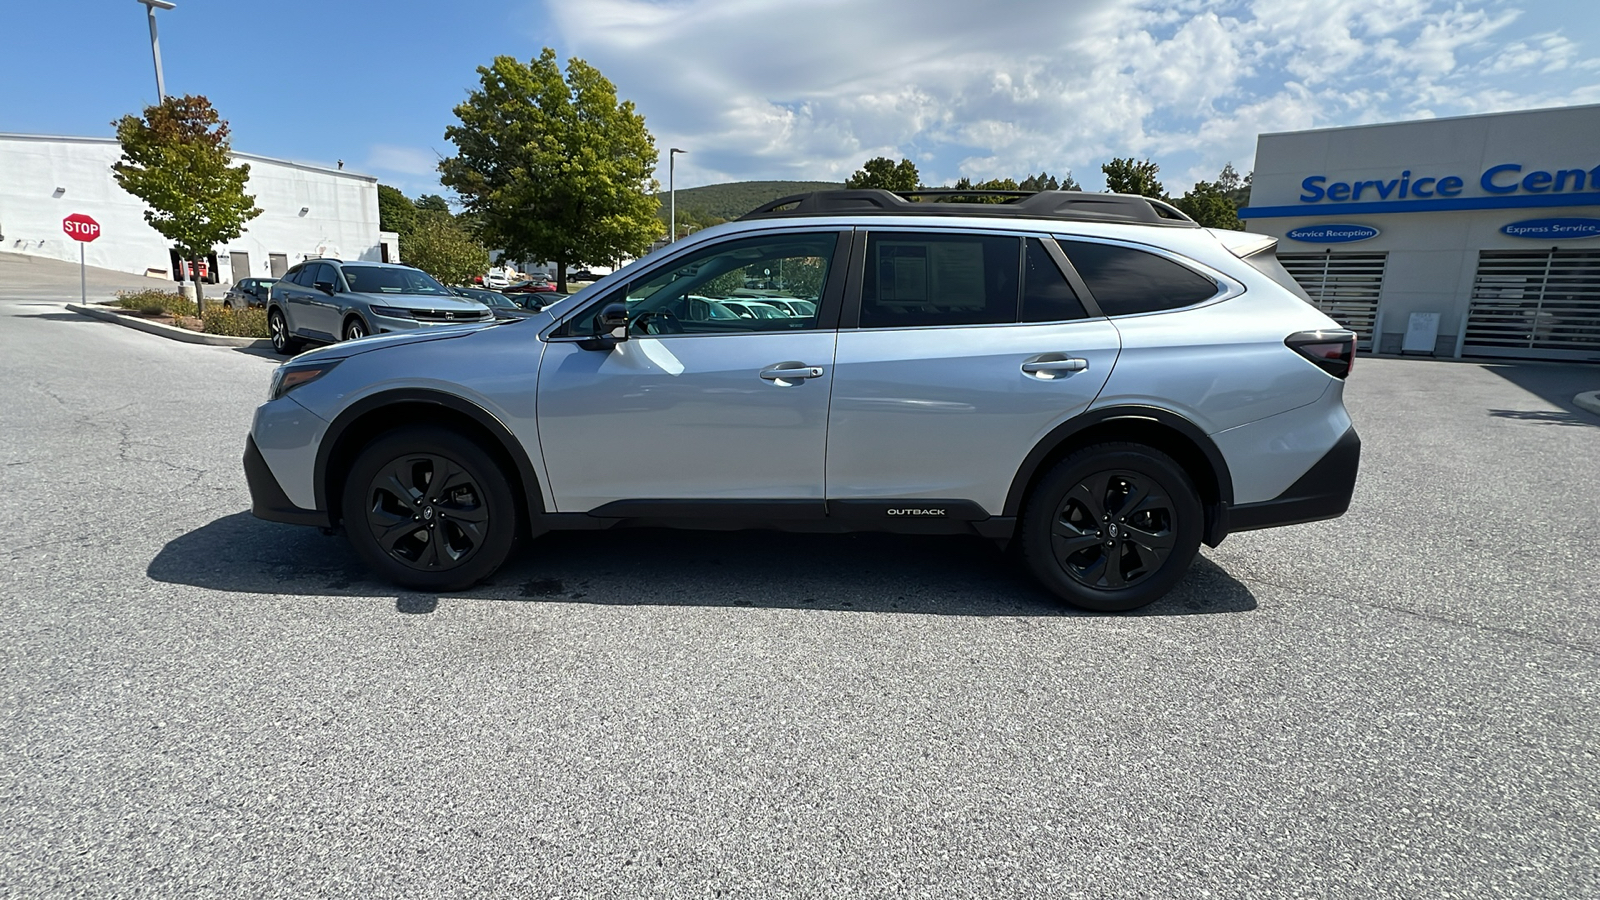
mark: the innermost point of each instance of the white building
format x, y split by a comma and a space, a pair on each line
306, 211
1471, 236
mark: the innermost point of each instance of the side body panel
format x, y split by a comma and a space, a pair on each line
684, 417
948, 412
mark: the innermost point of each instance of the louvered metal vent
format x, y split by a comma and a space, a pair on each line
1539, 304
1343, 285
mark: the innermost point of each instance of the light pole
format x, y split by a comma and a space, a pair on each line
672, 192
150, 7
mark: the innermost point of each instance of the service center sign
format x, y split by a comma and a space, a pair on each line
1565, 229
1332, 234
80, 227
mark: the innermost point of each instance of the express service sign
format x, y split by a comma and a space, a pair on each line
1564, 229
1332, 234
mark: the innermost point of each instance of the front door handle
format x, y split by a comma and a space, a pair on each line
789, 374
1054, 365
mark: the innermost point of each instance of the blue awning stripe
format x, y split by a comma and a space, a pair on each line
1521, 201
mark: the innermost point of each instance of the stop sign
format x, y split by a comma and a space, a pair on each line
80, 227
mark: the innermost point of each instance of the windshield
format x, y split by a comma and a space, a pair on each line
384, 280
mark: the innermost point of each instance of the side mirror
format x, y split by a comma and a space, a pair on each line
611, 330
614, 320
324, 286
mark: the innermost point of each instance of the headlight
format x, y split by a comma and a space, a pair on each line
392, 312
286, 377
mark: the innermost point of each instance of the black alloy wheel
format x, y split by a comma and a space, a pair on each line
1112, 527
278, 330
355, 329
428, 509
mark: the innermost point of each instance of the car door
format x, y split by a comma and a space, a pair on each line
292, 296
968, 348
721, 415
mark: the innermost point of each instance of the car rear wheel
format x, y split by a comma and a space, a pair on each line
429, 509
355, 329
1112, 527
278, 330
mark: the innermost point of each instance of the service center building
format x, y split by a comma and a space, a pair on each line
1476, 236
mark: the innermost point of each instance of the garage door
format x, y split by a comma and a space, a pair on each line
1343, 285
1535, 304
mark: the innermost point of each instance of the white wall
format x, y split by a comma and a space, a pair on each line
340, 219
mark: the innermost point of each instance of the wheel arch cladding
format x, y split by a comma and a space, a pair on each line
1167, 432
363, 421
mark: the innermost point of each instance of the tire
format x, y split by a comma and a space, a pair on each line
227, 305
455, 539
355, 329
1076, 535
278, 330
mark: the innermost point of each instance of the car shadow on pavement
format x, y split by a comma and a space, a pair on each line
658, 567
1554, 383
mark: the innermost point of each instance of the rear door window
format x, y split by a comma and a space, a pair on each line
1125, 281
1047, 296
920, 279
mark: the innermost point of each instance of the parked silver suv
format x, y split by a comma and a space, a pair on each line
324, 300
1092, 376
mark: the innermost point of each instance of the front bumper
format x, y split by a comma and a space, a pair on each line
267, 499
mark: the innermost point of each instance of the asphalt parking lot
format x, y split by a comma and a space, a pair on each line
1398, 703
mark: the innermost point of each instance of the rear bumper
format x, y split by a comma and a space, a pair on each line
267, 499
1323, 492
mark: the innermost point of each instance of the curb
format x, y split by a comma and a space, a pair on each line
1589, 400
171, 332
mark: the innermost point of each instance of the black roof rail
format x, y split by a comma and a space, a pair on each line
1075, 206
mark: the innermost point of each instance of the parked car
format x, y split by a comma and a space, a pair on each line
1091, 377
531, 286
502, 306
248, 292
327, 300
750, 309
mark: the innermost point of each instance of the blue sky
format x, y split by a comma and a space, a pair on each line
808, 89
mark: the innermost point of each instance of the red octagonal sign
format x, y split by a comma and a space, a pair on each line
80, 227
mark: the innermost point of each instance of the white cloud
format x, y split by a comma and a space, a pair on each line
812, 88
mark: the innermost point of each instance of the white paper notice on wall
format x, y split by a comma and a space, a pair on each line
1422, 333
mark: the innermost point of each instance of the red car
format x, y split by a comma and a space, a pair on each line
535, 286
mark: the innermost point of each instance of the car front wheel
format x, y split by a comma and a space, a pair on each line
278, 330
1112, 527
428, 509
355, 329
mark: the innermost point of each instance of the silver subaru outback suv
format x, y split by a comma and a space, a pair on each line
1091, 377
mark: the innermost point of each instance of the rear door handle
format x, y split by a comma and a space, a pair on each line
788, 374
1054, 365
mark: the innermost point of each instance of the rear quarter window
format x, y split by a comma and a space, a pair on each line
1125, 281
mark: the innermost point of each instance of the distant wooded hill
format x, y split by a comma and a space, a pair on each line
730, 201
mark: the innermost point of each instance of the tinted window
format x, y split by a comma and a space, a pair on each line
296, 274
939, 279
1126, 281
325, 273
1047, 296
723, 288
384, 280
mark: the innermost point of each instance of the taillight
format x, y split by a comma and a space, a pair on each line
1333, 351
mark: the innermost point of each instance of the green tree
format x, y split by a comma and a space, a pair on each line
395, 212
1210, 206
885, 173
1129, 176
176, 159
553, 167
1237, 189
1215, 204
445, 250
432, 203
